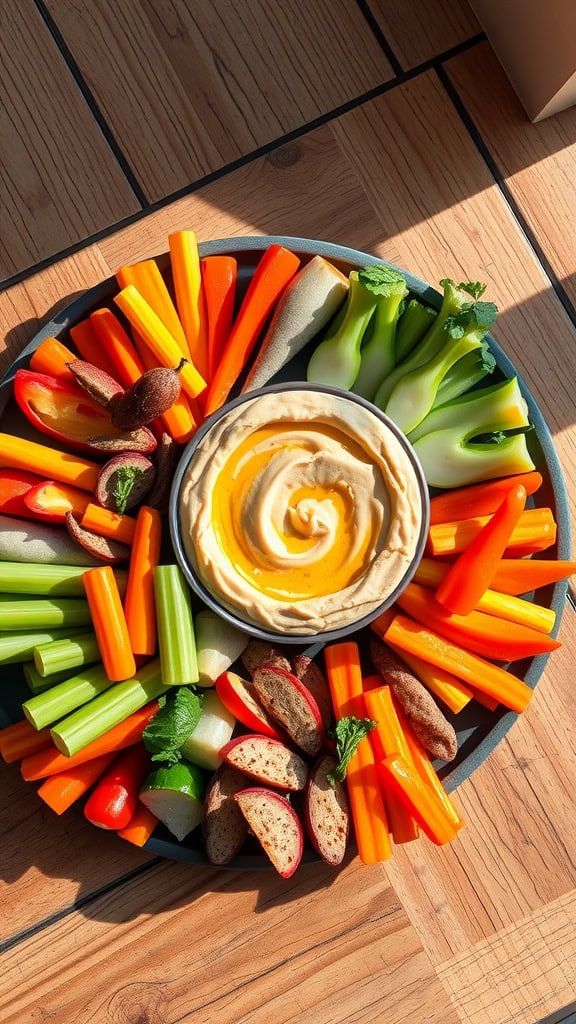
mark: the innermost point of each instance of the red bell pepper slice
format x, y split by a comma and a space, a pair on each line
114, 799
50, 500
62, 409
14, 485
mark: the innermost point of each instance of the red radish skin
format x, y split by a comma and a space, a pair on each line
292, 705
313, 678
327, 813
239, 696
276, 826
224, 826
267, 760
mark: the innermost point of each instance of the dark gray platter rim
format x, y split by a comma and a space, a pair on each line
489, 728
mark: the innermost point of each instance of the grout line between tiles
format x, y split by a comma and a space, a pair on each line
378, 34
92, 103
242, 161
506, 193
79, 904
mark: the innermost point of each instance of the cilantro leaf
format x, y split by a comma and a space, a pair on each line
178, 716
382, 280
474, 288
126, 477
347, 732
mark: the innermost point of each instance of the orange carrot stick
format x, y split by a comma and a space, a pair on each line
147, 279
274, 271
484, 699
62, 790
51, 357
520, 575
479, 499
140, 827
120, 350
19, 453
366, 803
190, 295
536, 531
86, 341
140, 604
504, 687
51, 761
405, 780
106, 523
219, 276
424, 766
109, 622
450, 690
388, 738
22, 739
158, 339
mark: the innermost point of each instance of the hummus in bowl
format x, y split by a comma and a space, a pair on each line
299, 510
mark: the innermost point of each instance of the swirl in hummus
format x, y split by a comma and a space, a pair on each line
300, 511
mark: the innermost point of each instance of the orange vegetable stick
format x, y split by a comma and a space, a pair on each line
185, 263
536, 531
484, 699
366, 802
504, 687
403, 778
62, 790
180, 419
219, 276
388, 738
520, 575
274, 271
451, 691
51, 357
486, 635
50, 761
21, 739
431, 572
158, 339
471, 574
20, 453
86, 341
140, 827
140, 604
479, 499
147, 279
120, 350
106, 523
424, 766
109, 622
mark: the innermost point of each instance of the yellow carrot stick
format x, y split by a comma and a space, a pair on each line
110, 524
452, 691
147, 279
19, 453
187, 279
166, 350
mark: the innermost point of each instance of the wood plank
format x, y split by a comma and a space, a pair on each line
231, 948
418, 30
538, 161
50, 195
445, 218
189, 87
517, 852
520, 974
49, 862
25, 307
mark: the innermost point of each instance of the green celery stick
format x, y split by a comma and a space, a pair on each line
176, 639
37, 683
66, 654
18, 646
42, 580
108, 709
48, 707
44, 613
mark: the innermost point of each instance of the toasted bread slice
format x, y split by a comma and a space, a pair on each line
291, 704
276, 826
268, 760
327, 813
224, 826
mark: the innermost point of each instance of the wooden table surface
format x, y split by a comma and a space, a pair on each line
388, 126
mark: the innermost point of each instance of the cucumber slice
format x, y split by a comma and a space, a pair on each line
218, 644
175, 795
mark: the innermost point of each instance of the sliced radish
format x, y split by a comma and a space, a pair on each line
267, 760
276, 826
291, 704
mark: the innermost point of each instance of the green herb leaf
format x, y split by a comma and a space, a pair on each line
382, 280
171, 726
347, 732
473, 315
474, 288
126, 477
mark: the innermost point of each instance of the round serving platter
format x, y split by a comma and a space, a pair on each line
478, 730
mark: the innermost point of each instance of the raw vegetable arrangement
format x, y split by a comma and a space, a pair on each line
156, 710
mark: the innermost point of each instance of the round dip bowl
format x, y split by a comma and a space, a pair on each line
299, 512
